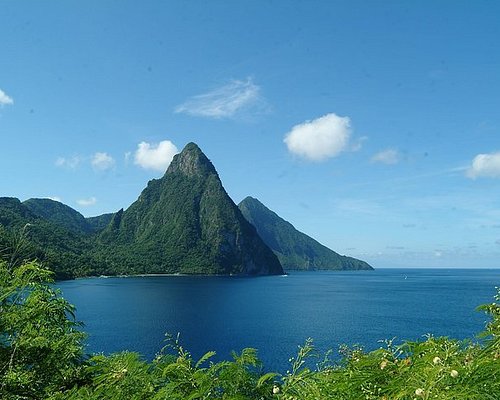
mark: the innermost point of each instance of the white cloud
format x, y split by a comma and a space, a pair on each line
5, 99
126, 156
102, 161
320, 138
68, 162
226, 101
388, 156
87, 202
155, 156
485, 165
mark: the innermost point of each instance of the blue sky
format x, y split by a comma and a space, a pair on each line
372, 126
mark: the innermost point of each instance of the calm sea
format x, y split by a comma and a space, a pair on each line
275, 314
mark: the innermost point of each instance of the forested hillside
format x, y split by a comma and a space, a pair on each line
295, 250
184, 222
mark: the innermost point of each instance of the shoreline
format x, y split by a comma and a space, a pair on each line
169, 275
293, 271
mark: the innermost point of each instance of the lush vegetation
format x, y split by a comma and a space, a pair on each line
42, 357
68, 253
294, 249
185, 222
60, 214
182, 223
99, 222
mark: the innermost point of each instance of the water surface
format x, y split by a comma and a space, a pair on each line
275, 314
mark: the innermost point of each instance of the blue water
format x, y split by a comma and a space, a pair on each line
275, 314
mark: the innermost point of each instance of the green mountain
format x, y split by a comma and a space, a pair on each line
64, 216
26, 235
182, 223
295, 250
60, 214
185, 222
13, 213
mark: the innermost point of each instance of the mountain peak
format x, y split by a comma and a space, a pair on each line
252, 201
192, 146
249, 198
186, 222
191, 162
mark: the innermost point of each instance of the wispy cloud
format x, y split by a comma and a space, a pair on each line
485, 166
387, 156
87, 202
227, 101
319, 139
155, 156
5, 99
102, 161
68, 162
358, 143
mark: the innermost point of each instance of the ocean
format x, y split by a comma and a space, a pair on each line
275, 314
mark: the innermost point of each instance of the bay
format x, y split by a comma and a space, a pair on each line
275, 314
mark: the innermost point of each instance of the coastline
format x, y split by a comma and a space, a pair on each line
169, 275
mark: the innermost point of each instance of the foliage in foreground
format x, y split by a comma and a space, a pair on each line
41, 357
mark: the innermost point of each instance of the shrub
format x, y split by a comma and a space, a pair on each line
41, 356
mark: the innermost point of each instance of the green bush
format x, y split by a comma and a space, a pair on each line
41, 357
40, 344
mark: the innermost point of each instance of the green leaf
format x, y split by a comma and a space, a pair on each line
204, 358
265, 378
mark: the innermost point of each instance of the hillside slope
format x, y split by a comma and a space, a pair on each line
295, 250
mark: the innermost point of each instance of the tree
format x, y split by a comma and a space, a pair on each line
40, 345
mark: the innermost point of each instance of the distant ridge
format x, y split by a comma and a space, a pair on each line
54, 241
59, 213
295, 250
